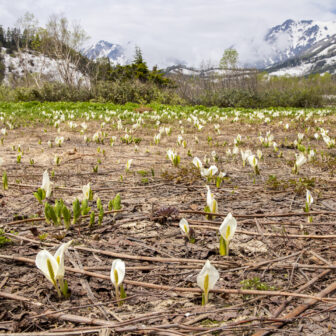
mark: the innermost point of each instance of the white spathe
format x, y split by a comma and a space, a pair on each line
211, 202
184, 226
171, 155
197, 162
117, 272
211, 171
213, 276
46, 184
86, 191
228, 227
56, 261
128, 164
300, 160
309, 198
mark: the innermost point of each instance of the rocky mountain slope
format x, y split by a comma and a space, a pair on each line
115, 52
293, 38
319, 58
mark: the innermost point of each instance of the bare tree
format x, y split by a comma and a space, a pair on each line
27, 27
62, 41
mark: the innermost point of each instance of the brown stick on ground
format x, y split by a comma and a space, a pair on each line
181, 289
290, 214
300, 309
118, 327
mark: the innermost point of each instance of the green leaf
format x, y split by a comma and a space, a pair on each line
5, 181
53, 215
51, 272
117, 202
122, 292
76, 210
65, 289
47, 212
99, 203
100, 216
67, 217
91, 192
222, 246
92, 219
58, 210
85, 208
38, 195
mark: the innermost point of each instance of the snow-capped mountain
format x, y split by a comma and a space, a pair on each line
293, 38
115, 52
319, 58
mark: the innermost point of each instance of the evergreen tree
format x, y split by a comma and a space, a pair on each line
140, 66
138, 59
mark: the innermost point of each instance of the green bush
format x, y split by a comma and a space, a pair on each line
134, 91
267, 92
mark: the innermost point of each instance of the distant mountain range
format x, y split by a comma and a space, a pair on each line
294, 48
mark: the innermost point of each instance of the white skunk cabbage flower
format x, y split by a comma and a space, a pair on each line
52, 266
226, 230
211, 171
206, 280
253, 162
300, 137
59, 141
275, 146
97, 136
128, 164
173, 157
179, 140
46, 184
300, 160
42, 259
184, 226
117, 272
117, 276
211, 202
245, 155
197, 162
59, 256
157, 138
87, 192
259, 154
309, 200
221, 175
311, 154
235, 150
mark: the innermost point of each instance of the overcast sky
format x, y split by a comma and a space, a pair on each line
190, 30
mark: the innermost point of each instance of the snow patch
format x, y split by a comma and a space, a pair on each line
42, 67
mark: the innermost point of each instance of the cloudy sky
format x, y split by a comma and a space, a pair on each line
189, 30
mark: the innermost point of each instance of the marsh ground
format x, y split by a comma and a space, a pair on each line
274, 248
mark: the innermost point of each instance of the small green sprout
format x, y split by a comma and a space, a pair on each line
4, 181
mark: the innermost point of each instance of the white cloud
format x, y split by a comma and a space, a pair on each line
190, 30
